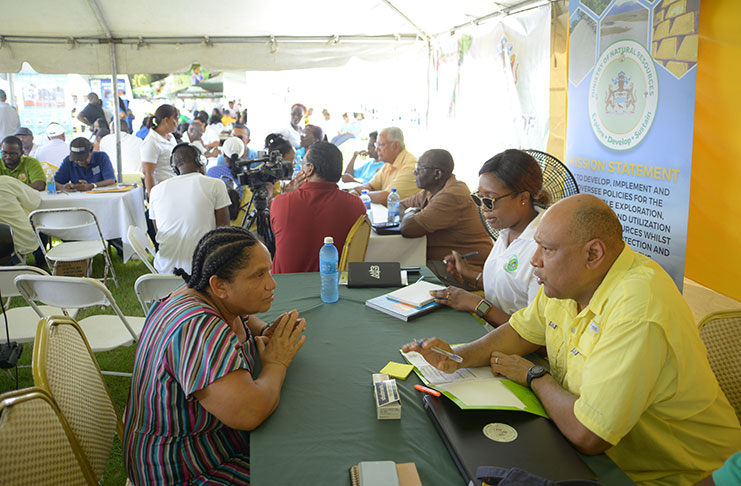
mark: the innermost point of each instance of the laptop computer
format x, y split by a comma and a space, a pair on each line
539, 447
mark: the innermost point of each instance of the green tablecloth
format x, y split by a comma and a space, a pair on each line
326, 420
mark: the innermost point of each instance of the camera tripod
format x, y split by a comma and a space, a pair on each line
260, 213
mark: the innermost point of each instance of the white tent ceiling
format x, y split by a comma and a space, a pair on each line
168, 35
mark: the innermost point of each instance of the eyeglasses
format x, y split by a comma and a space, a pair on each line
488, 202
420, 169
4, 152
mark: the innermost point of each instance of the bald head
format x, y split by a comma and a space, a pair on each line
585, 217
438, 159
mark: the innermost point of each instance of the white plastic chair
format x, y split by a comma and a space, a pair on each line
139, 241
153, 286
77, 224
22, 321
104, 332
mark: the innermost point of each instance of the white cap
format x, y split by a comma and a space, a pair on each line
232, 146
54, 130
328, 240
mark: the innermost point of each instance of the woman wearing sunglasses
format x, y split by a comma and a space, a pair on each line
510, 199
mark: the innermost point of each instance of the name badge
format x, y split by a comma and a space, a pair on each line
96, 170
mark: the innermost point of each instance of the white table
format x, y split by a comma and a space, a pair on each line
394, 248
116, 211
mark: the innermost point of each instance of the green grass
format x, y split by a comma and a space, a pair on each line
120, 359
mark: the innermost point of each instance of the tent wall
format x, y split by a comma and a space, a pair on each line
714, 232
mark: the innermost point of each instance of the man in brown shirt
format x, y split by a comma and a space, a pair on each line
444, 211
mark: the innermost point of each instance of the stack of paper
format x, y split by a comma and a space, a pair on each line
477, 388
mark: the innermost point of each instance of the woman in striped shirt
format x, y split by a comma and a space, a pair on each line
193, 398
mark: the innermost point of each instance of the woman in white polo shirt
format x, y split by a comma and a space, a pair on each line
157, 146
511, 199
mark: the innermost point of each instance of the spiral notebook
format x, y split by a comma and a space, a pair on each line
384, 473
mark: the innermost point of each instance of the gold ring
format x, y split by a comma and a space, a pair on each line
496, 360
447, 296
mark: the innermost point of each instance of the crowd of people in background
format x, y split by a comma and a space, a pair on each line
554, 278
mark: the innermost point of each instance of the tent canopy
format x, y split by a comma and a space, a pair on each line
167, 36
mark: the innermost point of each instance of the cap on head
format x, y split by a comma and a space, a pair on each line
24, 131
232, 146
80, 148
54, 130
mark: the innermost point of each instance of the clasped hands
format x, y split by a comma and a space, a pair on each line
282, 339
511, 366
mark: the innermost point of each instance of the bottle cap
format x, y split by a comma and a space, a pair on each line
328, 240
364, 192
393, 189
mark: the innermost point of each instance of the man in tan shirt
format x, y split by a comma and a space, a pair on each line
397, 172
444, 211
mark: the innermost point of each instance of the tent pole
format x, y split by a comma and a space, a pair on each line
11, 91
116, 114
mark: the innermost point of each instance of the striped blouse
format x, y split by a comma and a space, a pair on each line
169, 438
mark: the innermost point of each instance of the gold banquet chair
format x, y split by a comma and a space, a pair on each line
721, 333
37, 445
356, 243
64, 365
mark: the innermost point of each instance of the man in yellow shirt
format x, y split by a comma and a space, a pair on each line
629, 375
397, 172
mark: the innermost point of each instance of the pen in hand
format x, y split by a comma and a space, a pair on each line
467, 255
448, 354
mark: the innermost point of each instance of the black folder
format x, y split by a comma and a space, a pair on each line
539, 448
374, 274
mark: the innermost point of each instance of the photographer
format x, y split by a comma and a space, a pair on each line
318, 208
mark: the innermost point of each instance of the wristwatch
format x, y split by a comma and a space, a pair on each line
483, 308
95, 186
535, 372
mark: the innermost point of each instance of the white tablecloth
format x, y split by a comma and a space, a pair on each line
116, 211
394, 248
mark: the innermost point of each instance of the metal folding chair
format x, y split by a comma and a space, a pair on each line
104, 332
79, 226
154, 286
143, 248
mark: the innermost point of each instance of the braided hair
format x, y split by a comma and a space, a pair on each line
220, 252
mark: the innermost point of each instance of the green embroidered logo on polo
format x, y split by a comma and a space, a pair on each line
512, 264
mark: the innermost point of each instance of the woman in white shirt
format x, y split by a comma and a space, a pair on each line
157, 147
511, 199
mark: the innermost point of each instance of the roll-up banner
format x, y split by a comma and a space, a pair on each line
632, 71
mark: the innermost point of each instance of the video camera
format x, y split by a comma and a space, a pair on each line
265, 169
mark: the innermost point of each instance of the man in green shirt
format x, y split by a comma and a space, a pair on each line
22, 167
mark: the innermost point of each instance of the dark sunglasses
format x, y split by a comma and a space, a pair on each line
488, 202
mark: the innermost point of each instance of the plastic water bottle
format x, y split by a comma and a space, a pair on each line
367, 201
328, 260
51, 186
392, 203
